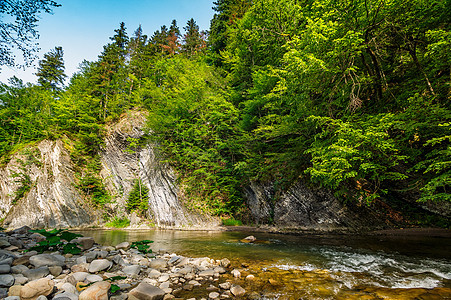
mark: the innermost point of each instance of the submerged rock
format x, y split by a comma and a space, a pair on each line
145, 291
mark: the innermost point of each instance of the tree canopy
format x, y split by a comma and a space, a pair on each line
352, 96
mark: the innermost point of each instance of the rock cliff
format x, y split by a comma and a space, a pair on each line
123, 164
38, 184
37, 189
304, 208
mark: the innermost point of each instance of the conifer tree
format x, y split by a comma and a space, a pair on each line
193, 40
51, 70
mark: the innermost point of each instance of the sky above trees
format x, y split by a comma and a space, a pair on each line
82, 27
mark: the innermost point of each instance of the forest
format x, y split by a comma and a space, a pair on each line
351, 96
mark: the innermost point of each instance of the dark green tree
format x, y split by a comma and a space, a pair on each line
51, 70
193, 40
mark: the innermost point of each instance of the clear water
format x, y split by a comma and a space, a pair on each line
344, 266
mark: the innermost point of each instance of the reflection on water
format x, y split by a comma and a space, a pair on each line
320, 266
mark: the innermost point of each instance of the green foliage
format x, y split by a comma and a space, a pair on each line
51, 70
345, 154
193, 122
57, 240
438, 166
142, 246
138, 199
117, 222
231, 222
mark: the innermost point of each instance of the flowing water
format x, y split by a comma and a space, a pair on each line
315, 267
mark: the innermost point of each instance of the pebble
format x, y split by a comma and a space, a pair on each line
213, 295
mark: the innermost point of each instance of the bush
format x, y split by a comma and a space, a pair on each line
117, 222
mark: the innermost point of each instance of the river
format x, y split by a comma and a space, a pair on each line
315, 266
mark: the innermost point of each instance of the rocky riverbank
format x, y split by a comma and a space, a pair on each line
106, 272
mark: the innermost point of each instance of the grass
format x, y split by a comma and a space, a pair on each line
117, 222
231, 222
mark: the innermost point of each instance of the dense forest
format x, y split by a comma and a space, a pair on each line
352, 96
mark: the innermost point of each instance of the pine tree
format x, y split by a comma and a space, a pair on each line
194, 40
174, 29
51, 70
121, 39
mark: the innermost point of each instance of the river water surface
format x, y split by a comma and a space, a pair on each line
315, 267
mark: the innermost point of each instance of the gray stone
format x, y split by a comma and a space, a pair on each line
19, 269
213, 295
154, 273
6, 260
158, 263
249, 239
41, 297
47, 260
174, 260
37, 237
164, 285
12, 298
236, 273
93, 278
20, 279
18, 243
123, 246
37, 273
80, 276
220, 270
185, 270
99, 265
69, 288
66, 296
6, 280
207, 273
5, 269
118, 260
81, 260
163, 278
3, 292
226, 285
85, 242
55, 270
132, 270
145, 291
4, 243
237, 291
121, 296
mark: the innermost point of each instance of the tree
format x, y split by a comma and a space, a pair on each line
194, 41
51, 70
20, 34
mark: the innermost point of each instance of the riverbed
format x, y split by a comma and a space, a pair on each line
315, 266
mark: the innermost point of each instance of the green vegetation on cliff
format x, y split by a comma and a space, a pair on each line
353, 96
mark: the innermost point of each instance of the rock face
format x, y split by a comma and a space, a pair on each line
304, 208
121, 167
52, 199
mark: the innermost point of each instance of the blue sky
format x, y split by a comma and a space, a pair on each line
83, 27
